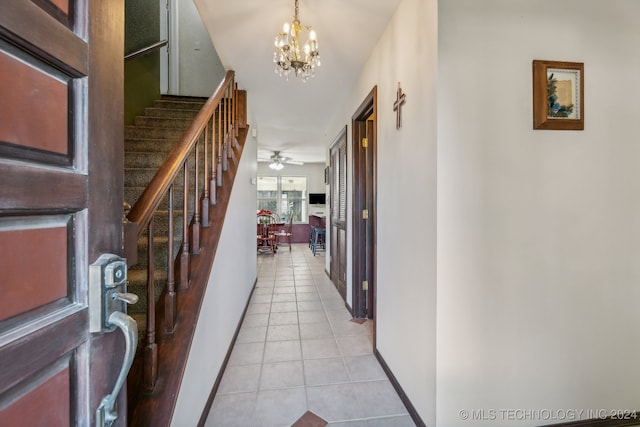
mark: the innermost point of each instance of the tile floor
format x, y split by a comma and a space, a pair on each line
299, 351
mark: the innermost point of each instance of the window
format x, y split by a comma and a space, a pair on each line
268, 193
284, 196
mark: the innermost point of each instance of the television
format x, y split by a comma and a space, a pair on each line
317, 199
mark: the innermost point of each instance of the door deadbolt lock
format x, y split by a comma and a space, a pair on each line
108, 291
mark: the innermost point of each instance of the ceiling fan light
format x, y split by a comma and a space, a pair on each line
276, 165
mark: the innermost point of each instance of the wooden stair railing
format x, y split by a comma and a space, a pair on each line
216, 126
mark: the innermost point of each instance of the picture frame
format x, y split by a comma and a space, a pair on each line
558, 95
326, 175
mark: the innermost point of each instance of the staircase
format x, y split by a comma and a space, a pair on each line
147, 145
159, 147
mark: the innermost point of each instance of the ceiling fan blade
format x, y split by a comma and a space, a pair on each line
294, 162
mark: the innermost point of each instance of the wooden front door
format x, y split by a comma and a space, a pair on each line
61, 185
338, 211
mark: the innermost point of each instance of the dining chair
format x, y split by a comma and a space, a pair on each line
285, 232
266, 228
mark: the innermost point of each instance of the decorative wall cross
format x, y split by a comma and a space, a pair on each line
397, 106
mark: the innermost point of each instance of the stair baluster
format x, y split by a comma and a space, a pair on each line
195, 225
170, 297
184, 257
151, 348
205, 195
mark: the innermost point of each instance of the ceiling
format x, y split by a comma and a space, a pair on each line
291, 116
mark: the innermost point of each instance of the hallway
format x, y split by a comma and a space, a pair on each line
299, 351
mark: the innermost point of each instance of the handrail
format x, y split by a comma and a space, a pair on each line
219, 114
145, 50
142, 212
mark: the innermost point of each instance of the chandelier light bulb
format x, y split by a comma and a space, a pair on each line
285, 28
312, 35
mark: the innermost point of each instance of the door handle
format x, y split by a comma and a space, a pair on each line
108, 300
106, 413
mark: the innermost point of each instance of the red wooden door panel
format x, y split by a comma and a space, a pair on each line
60, 204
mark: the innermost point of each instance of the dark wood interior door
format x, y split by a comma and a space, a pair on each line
61, 166
338, 209
364, 207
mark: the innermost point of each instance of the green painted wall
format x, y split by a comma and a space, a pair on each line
141, 75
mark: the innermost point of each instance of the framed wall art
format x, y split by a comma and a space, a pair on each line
558, 95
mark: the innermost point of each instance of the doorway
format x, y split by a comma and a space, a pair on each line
338, 210
364, 148
169, 59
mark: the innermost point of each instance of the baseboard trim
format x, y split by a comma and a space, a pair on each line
348, 307
396, 385
223, 367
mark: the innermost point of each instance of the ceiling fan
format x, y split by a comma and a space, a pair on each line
277, 161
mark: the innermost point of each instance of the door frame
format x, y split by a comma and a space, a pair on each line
364, 255
170, 55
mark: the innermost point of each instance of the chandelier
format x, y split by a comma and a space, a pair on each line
289, 54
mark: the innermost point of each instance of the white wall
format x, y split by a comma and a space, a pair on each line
232, 277
200, 69
406, 197
538, 231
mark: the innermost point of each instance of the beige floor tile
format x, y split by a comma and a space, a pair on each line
355, 345
279, 407
256, 334
312, 316
282, 351
283, 333
364, 368
281, 307
325, 371
241, 378
315, 330
286, 318
320, 348
247, 354
282, 375
378, 398
334, 402
232, 410
298, 350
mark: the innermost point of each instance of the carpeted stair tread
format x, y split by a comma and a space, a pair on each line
163, 122
152, 132
147, 144
183, 113
136, 145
